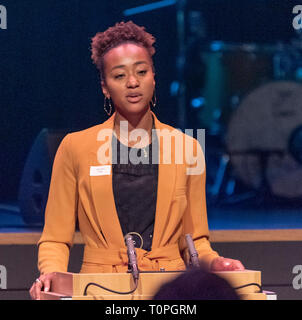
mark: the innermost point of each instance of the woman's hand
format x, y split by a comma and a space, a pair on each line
41, 283
225, 264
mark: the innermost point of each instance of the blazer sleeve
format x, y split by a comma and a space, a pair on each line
60, 214
195, 221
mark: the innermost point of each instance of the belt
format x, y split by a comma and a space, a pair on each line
145, 259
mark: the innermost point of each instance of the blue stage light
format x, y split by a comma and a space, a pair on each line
197, 102
174, 88
216, 45
299, 73
148, 7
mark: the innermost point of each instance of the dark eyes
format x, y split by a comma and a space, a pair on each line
120, 76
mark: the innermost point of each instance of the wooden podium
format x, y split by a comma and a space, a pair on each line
71, 286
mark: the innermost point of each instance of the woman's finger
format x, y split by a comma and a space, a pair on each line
38, 287
32, 292
237, 265
47, 283
227, 265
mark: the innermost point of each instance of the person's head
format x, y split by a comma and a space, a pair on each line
196, 284
123, 55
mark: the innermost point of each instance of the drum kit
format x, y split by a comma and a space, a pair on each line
253, 101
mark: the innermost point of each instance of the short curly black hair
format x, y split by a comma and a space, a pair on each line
120, 33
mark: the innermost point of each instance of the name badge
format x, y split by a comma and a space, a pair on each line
100, 170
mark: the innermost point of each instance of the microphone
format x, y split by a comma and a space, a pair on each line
192, 251
132, 264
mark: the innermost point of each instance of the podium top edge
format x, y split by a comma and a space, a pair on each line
160, 272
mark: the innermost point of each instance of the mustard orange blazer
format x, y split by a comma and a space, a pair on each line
75, 194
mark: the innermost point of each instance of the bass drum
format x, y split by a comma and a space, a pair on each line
231, 71
258, 136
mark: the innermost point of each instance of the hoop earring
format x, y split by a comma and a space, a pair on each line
105, 106
153, 100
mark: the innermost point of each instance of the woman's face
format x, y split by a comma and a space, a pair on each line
129, 79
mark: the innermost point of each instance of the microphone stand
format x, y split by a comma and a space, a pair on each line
132, 265
194, 262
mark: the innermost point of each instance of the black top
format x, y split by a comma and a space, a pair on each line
135, 190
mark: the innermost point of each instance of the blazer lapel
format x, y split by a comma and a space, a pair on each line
166, 183
103, 198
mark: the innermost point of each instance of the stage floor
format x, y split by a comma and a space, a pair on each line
225, 224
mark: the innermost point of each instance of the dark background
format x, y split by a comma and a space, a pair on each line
47, 79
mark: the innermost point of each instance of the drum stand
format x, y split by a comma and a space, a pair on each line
223, 189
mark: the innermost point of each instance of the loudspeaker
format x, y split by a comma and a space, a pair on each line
35, 180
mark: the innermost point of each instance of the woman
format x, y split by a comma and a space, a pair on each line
157, 202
